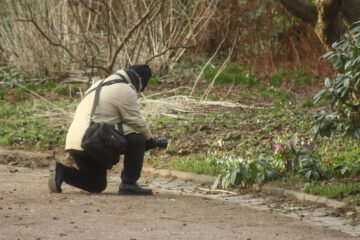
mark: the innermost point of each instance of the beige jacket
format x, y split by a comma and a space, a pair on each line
117, 103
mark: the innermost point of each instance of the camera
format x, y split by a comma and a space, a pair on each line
161, 142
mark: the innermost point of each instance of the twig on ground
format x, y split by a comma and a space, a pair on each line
184, 104
217, 190
166, 92
173, 116
39, 96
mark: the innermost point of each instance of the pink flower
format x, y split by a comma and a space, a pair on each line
278, 148
326, 150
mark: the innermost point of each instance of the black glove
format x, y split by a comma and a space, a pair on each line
150, 144
159, 142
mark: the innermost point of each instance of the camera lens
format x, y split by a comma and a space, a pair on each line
162, 142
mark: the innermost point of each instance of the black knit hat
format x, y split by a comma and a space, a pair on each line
143, 71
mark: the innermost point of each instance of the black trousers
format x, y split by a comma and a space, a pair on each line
91, 175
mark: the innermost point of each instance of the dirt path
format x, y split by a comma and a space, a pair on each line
29, 211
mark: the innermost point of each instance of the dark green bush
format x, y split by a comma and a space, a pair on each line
344, 90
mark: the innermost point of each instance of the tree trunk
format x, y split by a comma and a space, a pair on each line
329, 27
330, 19
303, 9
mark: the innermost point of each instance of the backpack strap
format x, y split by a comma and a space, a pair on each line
108, 83
96, 100
97, 93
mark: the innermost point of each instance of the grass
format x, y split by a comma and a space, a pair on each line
153, 81
339, 191
298, 78
278, 78
307, 102
232, 74
24, 124
201, 164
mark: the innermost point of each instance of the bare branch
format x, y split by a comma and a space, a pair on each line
90, 8
166, 50
207, 63
48, 39
128, 35
82, 30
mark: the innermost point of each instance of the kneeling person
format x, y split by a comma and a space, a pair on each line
117, 106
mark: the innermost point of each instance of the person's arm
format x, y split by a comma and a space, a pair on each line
130, 113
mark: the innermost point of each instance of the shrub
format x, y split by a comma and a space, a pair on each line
344, 90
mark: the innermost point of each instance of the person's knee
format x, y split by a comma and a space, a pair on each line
97, 186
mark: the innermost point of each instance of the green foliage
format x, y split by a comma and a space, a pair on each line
299, 78
300, 160
2, 95
8, 74
153, 81
310, 169
344, 90
20, 126
307, 102
48, 85
333, 190
63, 90
302, 78
200, 164
4, 12
277, 78
270, 92
353, 199
231, 74
250, 133
247, 173
345, 169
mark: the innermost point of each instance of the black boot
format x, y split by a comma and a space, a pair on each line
56, 178
133, 189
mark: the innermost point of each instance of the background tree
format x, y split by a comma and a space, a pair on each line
58, 37
267, 36
330, 19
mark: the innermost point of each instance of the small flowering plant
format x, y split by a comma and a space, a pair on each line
284, 157
278, 148
300, 160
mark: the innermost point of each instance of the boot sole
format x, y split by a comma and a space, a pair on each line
52, 182
125, 192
